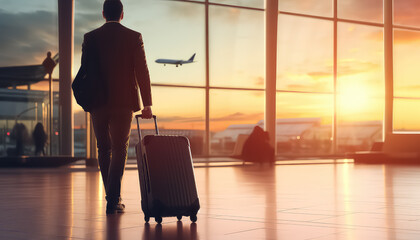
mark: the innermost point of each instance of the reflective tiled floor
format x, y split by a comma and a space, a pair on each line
283, 201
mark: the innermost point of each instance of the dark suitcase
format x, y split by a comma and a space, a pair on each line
166, 175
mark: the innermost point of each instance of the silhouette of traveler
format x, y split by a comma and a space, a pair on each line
20, 134
122, 69
257, 147
40, 139
48, 63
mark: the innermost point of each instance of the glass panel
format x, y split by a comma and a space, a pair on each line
87, 16
28, 32
359, 125
311, 7
406, 12
360, 87
79, 131
406, 115
305, 58
179, 111
406, 59
362, 10
236, 47
170, 29
243, 3
360, 62
232, 113
304, 123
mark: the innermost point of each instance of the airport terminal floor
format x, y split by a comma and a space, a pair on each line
289, 200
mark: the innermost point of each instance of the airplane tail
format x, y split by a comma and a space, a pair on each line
191, 58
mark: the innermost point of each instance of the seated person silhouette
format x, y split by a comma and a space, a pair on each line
257, 147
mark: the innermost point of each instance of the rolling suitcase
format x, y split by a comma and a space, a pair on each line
166, 175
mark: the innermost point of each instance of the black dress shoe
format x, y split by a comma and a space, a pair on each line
114, 208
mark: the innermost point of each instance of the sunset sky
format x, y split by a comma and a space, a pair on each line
305, 57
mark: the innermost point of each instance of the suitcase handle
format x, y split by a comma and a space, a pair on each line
138, 125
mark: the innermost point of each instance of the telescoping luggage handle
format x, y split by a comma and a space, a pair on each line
138, 125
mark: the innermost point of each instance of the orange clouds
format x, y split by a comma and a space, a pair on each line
403, 37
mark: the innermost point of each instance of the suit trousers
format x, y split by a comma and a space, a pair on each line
112, 130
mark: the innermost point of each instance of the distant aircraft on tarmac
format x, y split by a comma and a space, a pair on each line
175, 62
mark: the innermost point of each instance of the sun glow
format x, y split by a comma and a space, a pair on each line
353, 98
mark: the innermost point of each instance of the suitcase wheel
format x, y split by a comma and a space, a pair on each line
179, 217
146, 219
193, 218
158, 219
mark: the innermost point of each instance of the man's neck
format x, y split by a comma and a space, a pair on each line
112, 21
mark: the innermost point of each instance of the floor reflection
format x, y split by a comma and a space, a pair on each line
324, 201
389, 201
262, 179
170, 232
113, 226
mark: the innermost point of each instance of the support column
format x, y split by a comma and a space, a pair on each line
207, 139
335, 67
389, 67
271, 18
65, 41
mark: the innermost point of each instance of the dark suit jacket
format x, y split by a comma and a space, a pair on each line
121, 65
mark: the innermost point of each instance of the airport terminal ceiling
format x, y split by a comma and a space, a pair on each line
330, 67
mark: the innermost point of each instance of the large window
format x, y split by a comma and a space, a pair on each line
232, 113
28, 32
406, 83
305, 86
236, 47
179, 111
360, 87
170, 30
330, 71
305, 57
346, 111
303, 124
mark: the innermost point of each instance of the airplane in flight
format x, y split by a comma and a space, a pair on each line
22, 75
175, 62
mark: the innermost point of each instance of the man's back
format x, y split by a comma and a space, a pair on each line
114, 56
119, 55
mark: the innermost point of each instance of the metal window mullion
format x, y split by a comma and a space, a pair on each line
406, 28
235, 6
335, 67
271, 25
207, 140
389, 67
220, 4
65, 47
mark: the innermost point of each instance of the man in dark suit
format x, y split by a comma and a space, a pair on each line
118, 56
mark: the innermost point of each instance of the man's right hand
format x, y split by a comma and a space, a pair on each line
147, 112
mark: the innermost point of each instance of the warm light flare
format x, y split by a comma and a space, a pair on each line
352, 98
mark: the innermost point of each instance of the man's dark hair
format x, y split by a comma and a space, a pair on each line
112, 10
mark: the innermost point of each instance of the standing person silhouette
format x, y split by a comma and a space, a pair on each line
40, 138
118, 54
